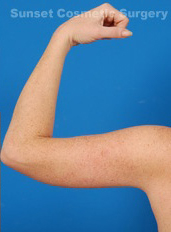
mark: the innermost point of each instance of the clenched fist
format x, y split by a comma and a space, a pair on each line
103, 22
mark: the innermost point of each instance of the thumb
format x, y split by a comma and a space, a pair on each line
114, 32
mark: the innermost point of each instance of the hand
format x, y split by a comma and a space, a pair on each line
103, 22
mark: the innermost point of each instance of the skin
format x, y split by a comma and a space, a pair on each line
138, 156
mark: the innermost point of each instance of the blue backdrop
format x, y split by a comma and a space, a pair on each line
105, 86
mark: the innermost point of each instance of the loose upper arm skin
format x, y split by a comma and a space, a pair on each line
137, 156
127, 157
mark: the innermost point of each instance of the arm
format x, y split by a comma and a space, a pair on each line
137, 156
33, 118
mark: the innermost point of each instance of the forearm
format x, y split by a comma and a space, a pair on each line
35, 110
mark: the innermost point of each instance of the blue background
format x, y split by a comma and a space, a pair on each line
105, 86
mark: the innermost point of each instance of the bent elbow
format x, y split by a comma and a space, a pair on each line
9, 155
5, 157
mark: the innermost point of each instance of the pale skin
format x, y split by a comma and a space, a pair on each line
138, 156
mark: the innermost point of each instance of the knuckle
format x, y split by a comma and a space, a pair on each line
126, 19
106, 4
123, 15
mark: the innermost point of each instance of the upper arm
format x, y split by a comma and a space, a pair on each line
121, 158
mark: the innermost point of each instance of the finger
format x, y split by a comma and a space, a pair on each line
112, 14
118, 20
113, 32
123, 23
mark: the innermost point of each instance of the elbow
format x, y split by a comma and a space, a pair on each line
5, 153
10, 155
5, 157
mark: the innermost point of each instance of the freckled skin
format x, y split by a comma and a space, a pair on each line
137, 156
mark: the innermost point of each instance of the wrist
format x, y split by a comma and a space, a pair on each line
62, 36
